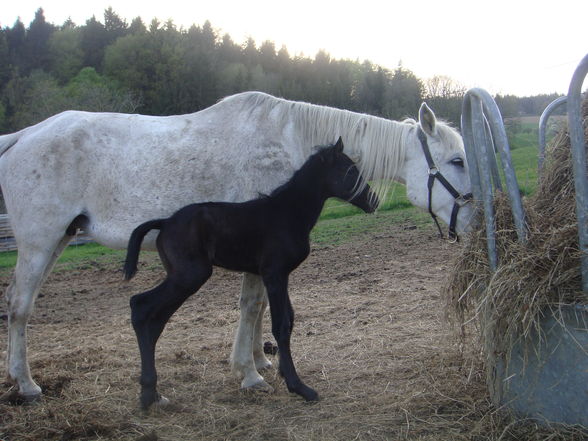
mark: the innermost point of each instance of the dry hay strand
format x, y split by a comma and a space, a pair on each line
541, 275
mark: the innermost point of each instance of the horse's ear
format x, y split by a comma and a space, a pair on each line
339, 145
427, 120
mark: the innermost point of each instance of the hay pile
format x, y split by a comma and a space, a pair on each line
544, 273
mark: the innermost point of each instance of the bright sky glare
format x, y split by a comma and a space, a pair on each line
521, 47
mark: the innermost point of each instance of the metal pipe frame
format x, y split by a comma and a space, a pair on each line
479, 111
579, 163
543, 128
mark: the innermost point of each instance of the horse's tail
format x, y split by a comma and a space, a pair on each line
134, 246
7, 141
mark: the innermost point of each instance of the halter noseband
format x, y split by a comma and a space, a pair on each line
435, 174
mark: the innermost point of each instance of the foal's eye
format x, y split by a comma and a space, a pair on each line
457, 162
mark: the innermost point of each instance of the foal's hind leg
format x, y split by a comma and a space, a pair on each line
247, 355
32, 268
150, 313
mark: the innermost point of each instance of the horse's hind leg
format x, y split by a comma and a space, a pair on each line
248, 342
150, 312
32, 268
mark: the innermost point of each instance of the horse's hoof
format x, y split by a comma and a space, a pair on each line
162, 402
14, 398
262, 386
262, 364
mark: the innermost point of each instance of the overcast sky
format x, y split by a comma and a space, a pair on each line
520, 47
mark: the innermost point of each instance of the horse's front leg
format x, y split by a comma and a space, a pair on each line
282, 324
247, 356
35, 261
261, 361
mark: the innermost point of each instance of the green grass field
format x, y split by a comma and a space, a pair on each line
339, 220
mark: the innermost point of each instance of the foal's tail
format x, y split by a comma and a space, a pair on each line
134, 245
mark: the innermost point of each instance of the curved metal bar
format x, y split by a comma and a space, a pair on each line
478, 160
490, 146
579, 162
543, 127
501, 141
482, 129
471, 152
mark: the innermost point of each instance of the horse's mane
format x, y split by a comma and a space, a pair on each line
377, 144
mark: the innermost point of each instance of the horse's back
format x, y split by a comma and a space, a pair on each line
119, 170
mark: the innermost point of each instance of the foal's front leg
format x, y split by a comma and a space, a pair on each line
282, 324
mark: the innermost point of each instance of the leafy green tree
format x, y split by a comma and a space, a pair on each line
3, 120
233, 79
34, 99
250, 53
445, 96
369, 95
508, 105
66, 55
15, 38
198, 70
4, 59
91, 91
137, 26
114, 25
37, 42
404, 95
132, 61
268, 56
94, 39
228, 51
154, 26
68, 24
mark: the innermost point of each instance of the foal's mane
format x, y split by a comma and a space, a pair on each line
315, 157
378, 145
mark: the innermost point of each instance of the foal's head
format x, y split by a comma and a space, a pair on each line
343, 179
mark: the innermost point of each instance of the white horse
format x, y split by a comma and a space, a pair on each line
107, 173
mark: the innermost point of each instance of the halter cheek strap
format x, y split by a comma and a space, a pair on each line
436, 175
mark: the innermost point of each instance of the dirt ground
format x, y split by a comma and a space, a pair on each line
370, 337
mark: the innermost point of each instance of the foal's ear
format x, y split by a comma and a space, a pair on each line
427, 120
339, 145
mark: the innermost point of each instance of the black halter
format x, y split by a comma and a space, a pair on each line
434, 173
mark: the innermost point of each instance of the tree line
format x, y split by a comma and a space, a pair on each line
158, 69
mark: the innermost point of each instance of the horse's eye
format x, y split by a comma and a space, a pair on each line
457, 162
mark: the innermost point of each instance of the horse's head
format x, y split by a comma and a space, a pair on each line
436, 172
344, 181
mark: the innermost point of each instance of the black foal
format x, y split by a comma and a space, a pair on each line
268, 236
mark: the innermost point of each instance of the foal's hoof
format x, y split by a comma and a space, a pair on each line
262, 386
270, 348
308, 393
